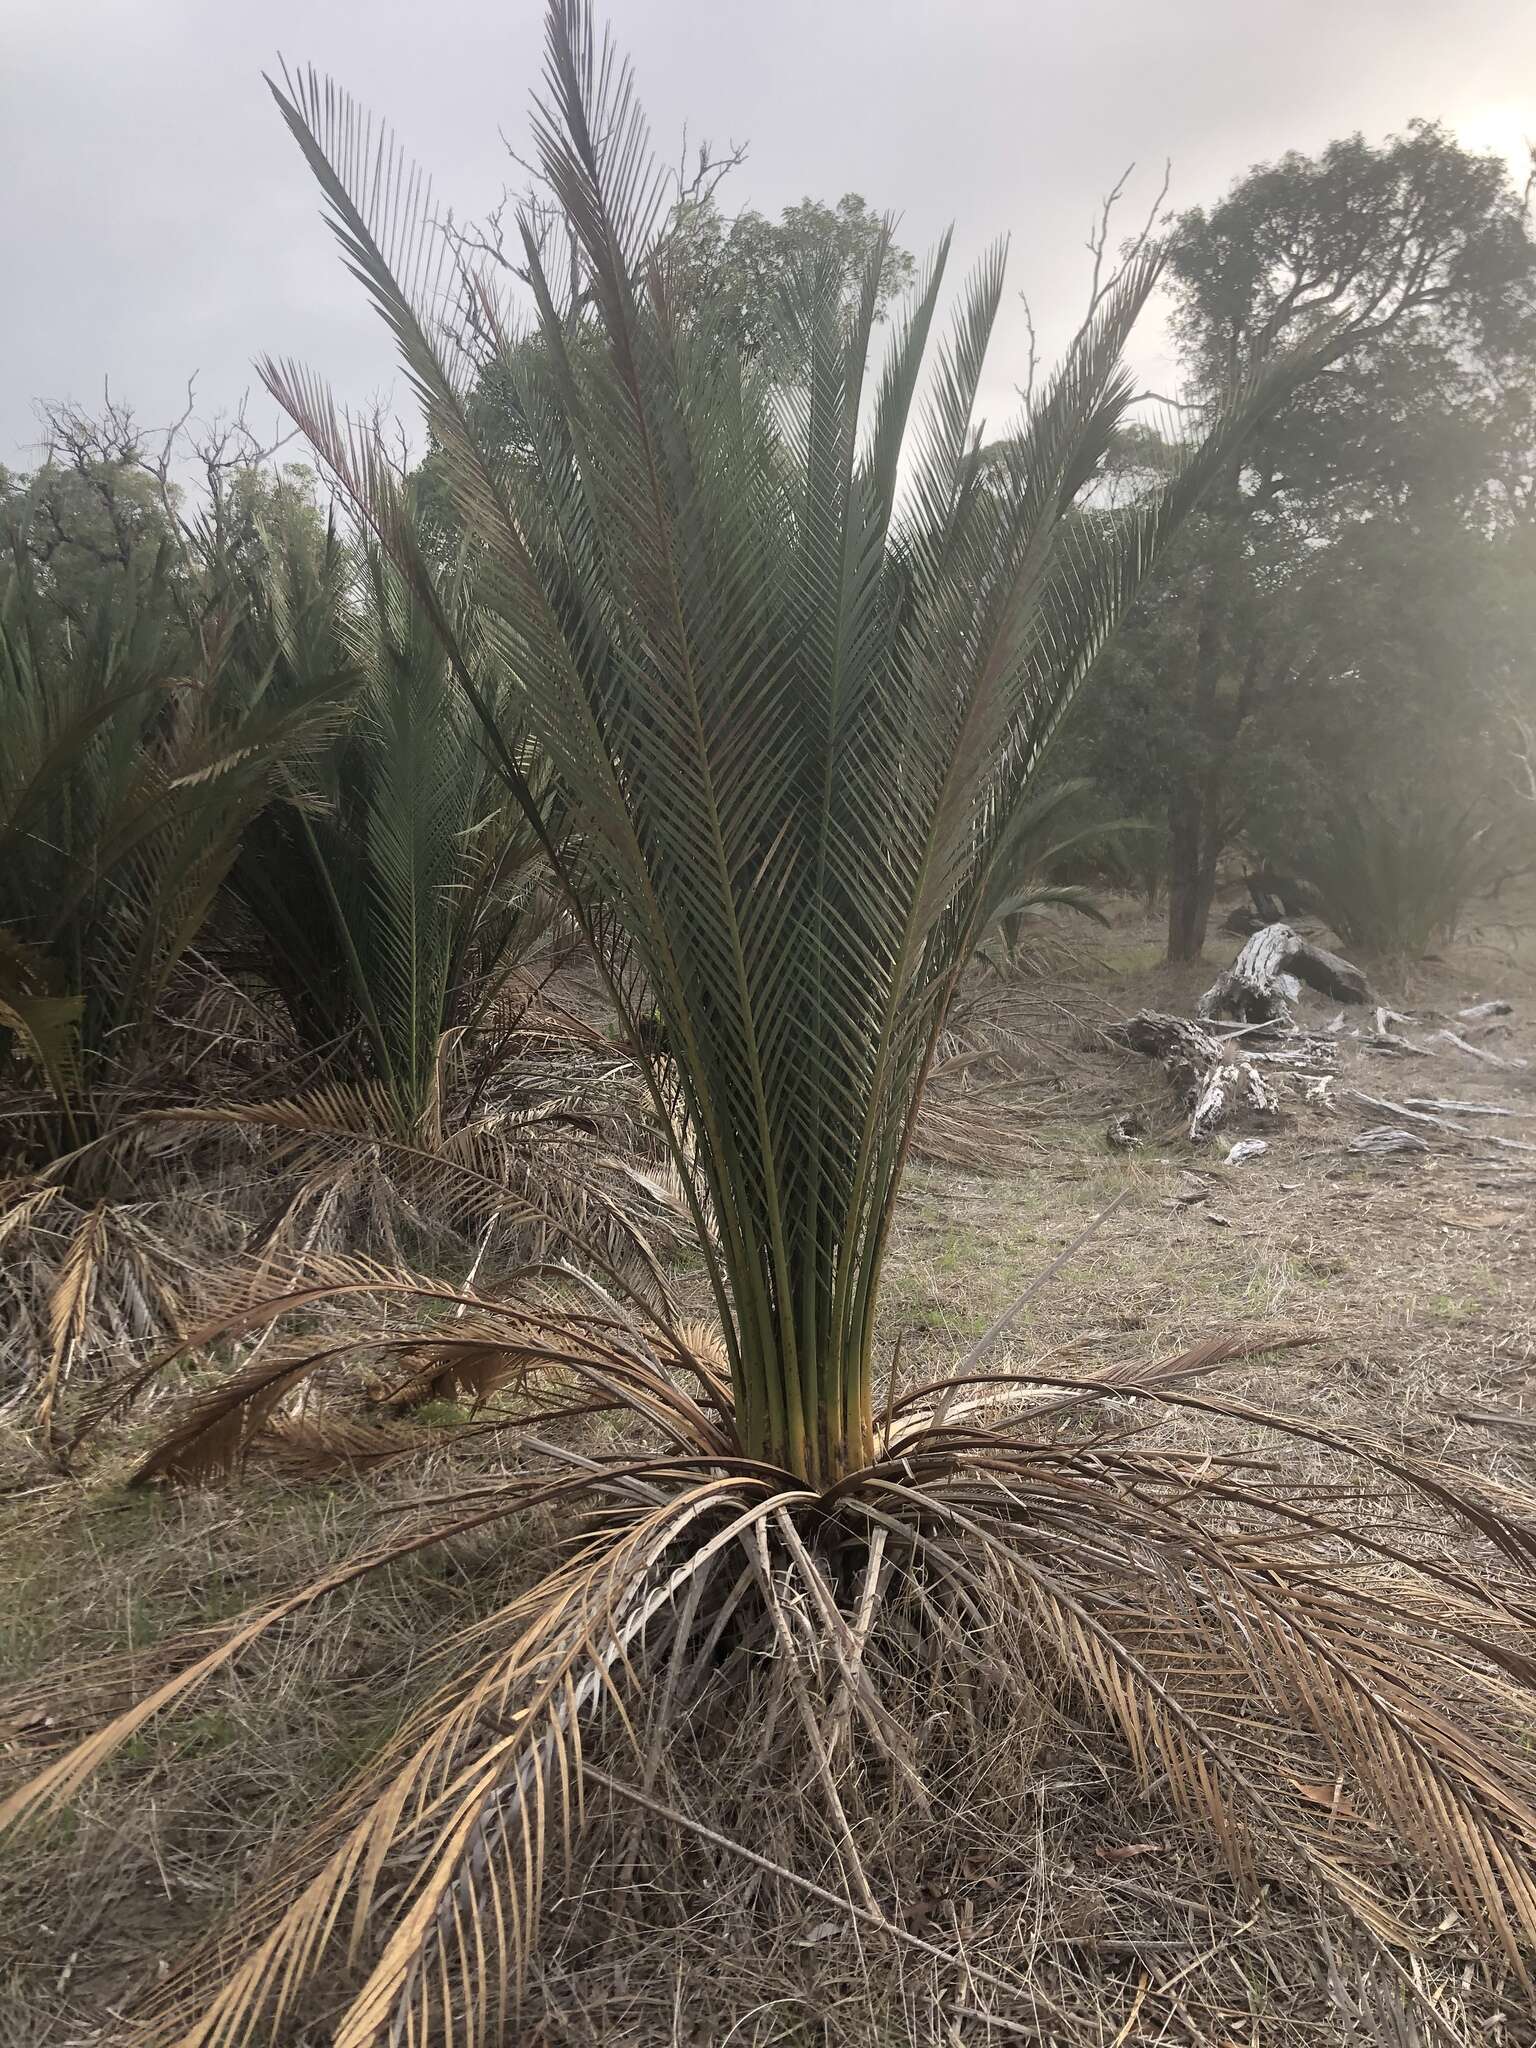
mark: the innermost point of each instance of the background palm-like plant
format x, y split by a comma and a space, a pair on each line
132, 756
1394, 874
393, 882
1051, 844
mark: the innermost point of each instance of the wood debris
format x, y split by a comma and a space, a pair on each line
1266, 977
1382, 1138
1476, 1052
1479, 1011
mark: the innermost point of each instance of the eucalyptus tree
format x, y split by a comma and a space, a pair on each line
1419, 254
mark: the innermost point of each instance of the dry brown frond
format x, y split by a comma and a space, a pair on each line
1334, 1693
559, 1361
299, 1447
68, 1304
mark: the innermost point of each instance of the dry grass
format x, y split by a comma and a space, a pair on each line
1415, 1272
1111, 1920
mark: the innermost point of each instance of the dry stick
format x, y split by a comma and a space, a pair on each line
853, 1862
872, 1916
854, 1687
875, 1575
1004, 1322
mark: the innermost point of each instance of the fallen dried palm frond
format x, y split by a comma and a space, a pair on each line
141, 1230
301, 1447
560, 1363
533, 1172
1244, 1636
68, 1304
86, 1279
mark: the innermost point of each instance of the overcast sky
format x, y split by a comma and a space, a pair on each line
159, 221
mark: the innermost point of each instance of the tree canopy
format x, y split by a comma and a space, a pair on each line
1350, 597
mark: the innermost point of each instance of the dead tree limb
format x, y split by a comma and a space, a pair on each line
1217, 1074
1265, 979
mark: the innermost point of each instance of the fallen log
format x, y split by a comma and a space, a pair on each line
1185, 1050
1266, 977
1217, 1073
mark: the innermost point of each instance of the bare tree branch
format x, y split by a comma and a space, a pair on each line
1100, 286
1026, 390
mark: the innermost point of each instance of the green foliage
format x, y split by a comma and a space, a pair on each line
1407, 242
793, 709
732, 271
740, 269
1395, 875
81, 525
125, 782
391, 881
1333, 599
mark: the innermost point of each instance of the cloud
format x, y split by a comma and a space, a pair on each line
160, 221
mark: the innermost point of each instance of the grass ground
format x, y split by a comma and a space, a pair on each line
1415, 1276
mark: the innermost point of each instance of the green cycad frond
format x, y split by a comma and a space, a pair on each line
794, 673
128, 770
393, 883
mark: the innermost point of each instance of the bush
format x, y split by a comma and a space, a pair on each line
1394, 876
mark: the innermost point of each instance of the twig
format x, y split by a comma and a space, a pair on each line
871, 1917
1005, 1321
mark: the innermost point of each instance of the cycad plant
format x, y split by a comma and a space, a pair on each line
1047, 840
394, 882
795, 671
1395, 873
394, 896
794, 651
128, 769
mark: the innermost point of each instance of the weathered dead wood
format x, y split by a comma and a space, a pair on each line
1384, 1039
1464, 1108
1266, 977
1410, 1114
1218, 1073
1228, 1084
1476, 1052
1480, 1011
1184, 1048
1246, 1149
1387, 1138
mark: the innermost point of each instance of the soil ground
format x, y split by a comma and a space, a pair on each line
1415, 1274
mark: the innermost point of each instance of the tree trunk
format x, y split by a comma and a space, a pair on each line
1192, 858
1195, 806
